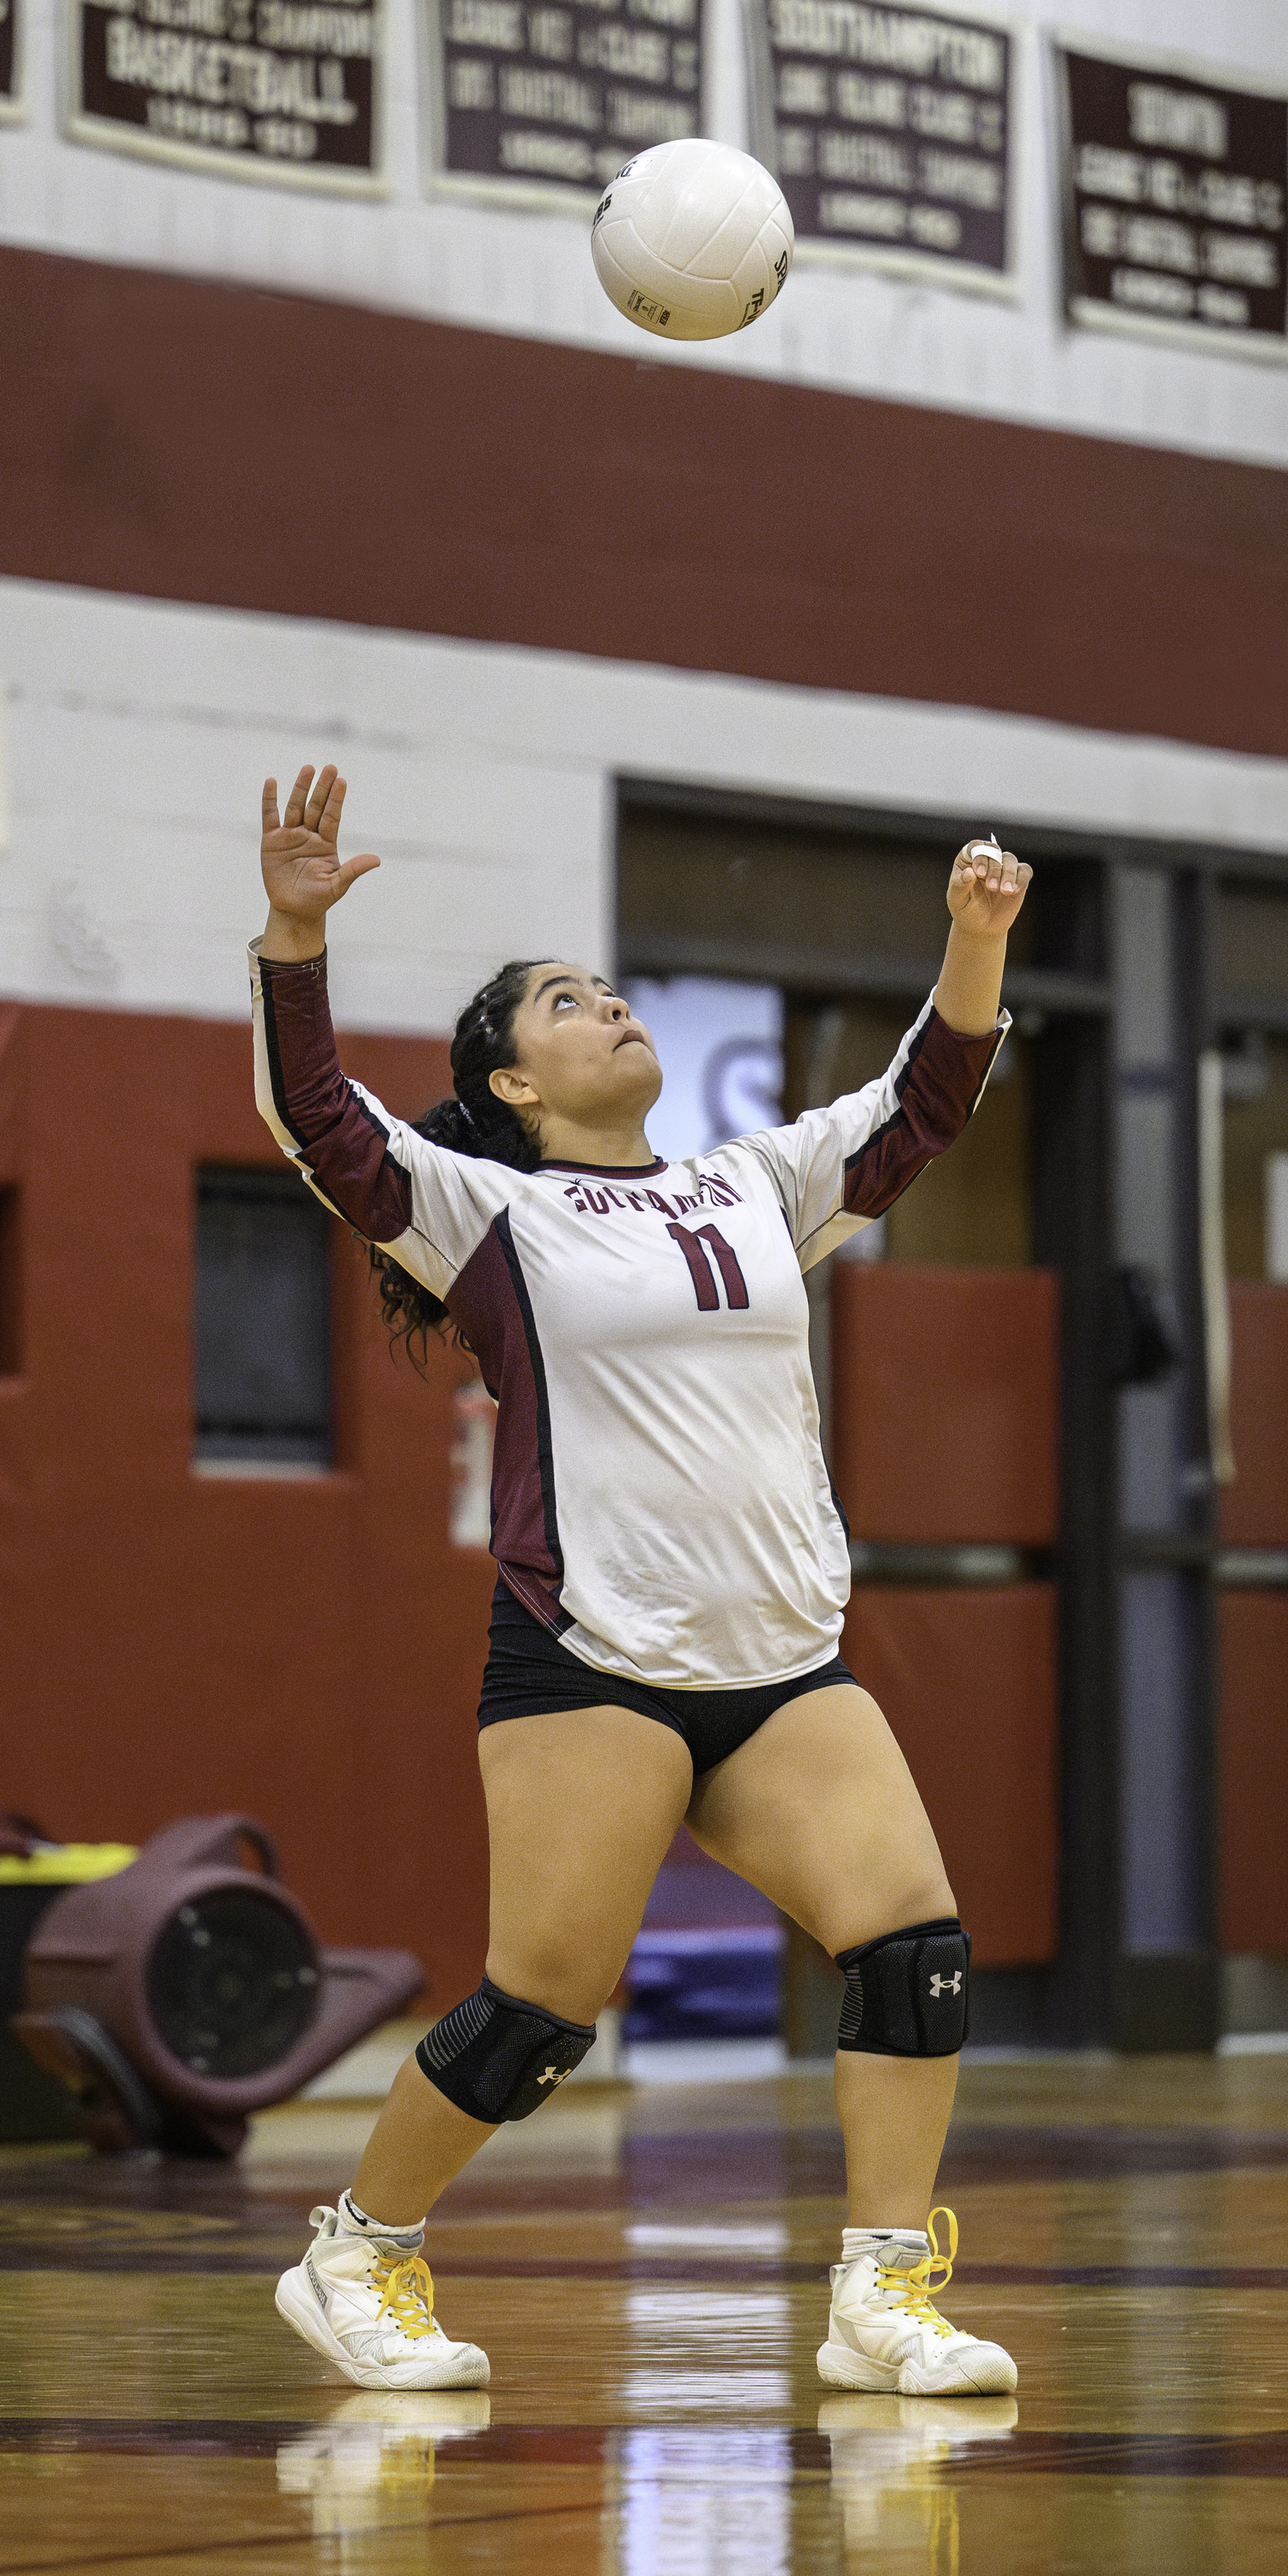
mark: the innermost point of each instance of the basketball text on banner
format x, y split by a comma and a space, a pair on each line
285, 90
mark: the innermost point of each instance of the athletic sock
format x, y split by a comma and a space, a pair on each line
899, 2246
357, 2222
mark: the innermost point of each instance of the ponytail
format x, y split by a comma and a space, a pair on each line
471, 1121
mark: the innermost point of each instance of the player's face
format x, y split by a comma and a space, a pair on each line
579, 1050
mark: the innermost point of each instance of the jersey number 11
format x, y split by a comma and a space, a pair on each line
694, 1247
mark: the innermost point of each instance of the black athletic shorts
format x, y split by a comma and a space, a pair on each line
529, 1674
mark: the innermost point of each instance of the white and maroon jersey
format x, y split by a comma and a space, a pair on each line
659, 1496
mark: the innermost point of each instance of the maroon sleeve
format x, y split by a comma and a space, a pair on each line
336, 1132
936, 1092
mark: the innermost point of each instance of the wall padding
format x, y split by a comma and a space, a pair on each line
1253, 1772
968, 1683
945, 1402
1254, 1508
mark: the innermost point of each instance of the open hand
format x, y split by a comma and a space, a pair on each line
303, 871
986, 889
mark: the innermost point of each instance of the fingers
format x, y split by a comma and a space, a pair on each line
1007, 875
998, 871
318, 801
296, 800
328, 823
987, 886
352, 868
991, 866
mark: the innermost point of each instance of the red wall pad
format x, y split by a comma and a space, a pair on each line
968, 1683
945, 1402
156, 440
1254, 1775
307, 1651
1254, 1509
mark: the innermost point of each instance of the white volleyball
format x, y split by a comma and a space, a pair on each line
692, 240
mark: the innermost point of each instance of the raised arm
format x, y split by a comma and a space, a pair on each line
316, 1116
429, 1207
839, 1168
985, 891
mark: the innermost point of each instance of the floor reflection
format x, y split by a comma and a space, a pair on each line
649, 2274
704, 2503
890, 2456
372, 2464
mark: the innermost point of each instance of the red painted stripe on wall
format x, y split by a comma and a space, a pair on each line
186, 440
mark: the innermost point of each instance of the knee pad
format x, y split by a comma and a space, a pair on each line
906, 1995
499, 2059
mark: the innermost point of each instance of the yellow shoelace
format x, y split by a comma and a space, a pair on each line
916, 2289
408, 2289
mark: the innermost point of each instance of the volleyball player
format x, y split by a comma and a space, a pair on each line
673, 1572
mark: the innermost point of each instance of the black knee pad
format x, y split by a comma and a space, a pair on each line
499, 2059
907, 1995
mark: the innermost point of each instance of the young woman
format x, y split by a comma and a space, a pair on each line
673, 1576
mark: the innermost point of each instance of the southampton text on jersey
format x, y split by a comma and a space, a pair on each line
600, 1199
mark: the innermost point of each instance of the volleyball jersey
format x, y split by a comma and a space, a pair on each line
659, 1495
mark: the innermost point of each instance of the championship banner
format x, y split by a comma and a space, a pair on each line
530, 99
11, 98
271, 89
889, 131
1175, 189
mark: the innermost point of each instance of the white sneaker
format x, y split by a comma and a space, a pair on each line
367, 2304
885, 2335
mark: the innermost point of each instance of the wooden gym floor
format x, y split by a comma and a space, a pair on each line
647, 2270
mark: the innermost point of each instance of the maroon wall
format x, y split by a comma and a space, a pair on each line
1254, 1508
1254, 1630
187, 440
940, 1432
307, 1651
968, 1683
1254, 1773
931, 1446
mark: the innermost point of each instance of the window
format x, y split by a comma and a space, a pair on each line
722, 1045
10, 1285
263, 1326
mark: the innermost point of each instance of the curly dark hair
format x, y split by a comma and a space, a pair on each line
471, 1121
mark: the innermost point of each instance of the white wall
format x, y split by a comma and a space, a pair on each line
138, 735
531, 273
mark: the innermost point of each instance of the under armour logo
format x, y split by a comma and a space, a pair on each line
946, 1985
553, 2075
